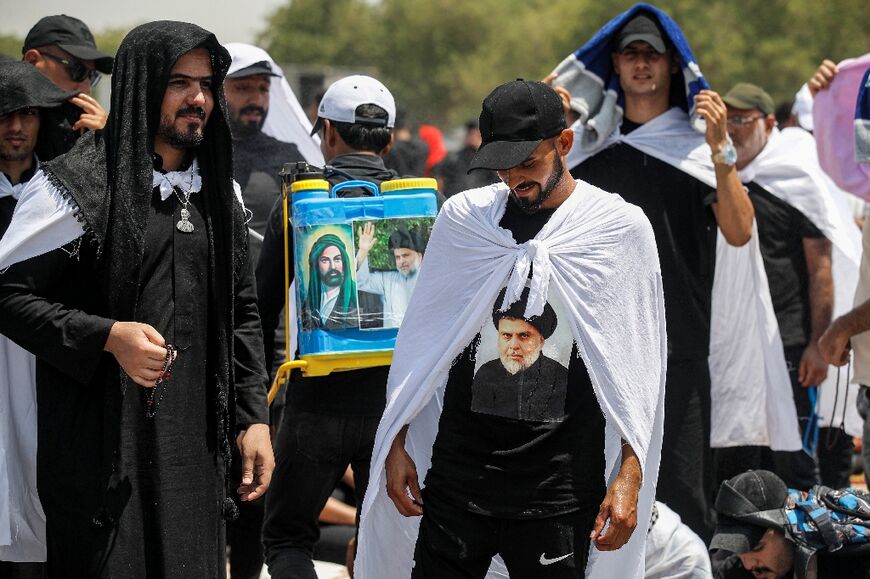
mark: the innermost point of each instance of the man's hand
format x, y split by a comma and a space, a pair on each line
93, 117
565, 95
823, 77
139, 349
402, 478
258, 462
834, 344
709, 105
365, 242
813, 369
619, 507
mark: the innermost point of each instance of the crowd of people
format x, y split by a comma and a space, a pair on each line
635, 343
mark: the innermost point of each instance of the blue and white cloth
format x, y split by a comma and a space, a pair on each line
595, 93
862, 121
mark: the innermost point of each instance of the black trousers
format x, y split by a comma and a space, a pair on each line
312, 453
686, 474
454, 543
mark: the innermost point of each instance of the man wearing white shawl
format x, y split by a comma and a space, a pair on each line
651, 81
797, 222
533, 491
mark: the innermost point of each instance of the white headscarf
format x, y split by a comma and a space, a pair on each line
286, 121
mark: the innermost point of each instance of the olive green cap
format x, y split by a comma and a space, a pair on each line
744, 95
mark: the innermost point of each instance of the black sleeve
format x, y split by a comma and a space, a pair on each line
270, 278
67, 338
251, 378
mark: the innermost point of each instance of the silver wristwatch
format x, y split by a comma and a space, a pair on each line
727, 156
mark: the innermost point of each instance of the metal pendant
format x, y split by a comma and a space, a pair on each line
184, 226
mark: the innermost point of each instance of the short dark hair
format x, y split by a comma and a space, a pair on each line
363, 137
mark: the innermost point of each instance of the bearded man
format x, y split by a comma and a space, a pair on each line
522, 382
129, 279
331, 298
394, 287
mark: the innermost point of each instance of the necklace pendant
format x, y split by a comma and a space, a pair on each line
184, 226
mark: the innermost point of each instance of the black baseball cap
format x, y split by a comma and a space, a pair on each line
742, 503
516, 117
644, 28
262, 67
70, 35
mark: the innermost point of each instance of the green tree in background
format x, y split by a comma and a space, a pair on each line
441, 57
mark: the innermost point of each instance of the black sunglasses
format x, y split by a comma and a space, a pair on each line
76, 70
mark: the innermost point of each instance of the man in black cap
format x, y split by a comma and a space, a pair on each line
24, 96
749, 541
63, 49
518, 475
685, 214
522, 382
144, 324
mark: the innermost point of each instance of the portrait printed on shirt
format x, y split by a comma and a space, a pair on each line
521, 366
326, 284
389, 255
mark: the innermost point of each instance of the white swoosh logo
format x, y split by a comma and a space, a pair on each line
544, 561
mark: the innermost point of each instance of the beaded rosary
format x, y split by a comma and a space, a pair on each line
152, 403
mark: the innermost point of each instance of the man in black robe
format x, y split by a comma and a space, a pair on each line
132, 458
25, 95
522, 382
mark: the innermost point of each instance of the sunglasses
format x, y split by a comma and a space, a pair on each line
76, 70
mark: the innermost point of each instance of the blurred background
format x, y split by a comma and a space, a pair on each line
441, 57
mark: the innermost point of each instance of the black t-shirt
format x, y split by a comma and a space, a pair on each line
781, 231
678, 207
523, 445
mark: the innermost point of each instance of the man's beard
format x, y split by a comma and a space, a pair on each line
14, 154
513, 367
182, 139
247, 129
530, 207
332, 278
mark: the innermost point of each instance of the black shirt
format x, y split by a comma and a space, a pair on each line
678, 207
358, 392
256, 164
781, 231
528, 459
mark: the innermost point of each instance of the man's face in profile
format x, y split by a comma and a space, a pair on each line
248, 103
407, 260
330, 266
519, 344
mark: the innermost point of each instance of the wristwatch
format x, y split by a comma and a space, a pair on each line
727, 156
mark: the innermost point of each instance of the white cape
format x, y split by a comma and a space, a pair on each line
750, 388
286, 121
788, 167
597, 256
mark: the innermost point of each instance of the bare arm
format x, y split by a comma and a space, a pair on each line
813, 368
402, 484
619, 505
336, 512
733, 209
834, 343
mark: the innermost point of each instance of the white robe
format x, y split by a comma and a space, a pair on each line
750, 388
597, 255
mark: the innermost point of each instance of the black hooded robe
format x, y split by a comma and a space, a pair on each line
128, 496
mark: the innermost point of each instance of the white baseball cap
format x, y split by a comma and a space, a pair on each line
341, 100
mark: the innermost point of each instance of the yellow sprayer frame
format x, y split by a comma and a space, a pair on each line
314, 364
